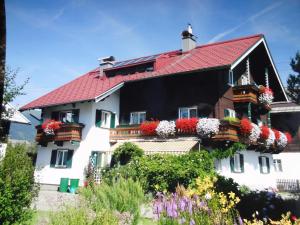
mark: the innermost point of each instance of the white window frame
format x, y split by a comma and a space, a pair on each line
277, 165
64, 154
102, 157
105, 123
138, 113
264, 166
61, 118
230, 78
189, 113
237, 163
231, 113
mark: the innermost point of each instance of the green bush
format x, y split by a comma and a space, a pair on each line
164, 172
125, 152
17, 188
122, 195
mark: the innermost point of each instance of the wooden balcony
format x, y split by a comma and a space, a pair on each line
245, 93
67, 132
123, 133
228, 132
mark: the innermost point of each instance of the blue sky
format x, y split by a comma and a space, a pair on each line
53, 42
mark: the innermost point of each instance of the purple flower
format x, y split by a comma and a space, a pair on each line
192, 222
240, 221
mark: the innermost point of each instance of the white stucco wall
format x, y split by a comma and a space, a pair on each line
290, 162
251, 176
93, 139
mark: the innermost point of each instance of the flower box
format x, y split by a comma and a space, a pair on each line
228, 131
123, 133
245, 94
67, 132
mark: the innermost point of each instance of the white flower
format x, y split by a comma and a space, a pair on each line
282, 141
166, 128
207, 196
266, 98
271, 139
207, 127
255, 132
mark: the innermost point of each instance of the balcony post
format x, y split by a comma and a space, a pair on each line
249, 111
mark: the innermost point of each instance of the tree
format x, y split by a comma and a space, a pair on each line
294, 80
17, 186
2, 53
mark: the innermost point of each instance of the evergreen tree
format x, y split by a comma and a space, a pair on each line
294, 80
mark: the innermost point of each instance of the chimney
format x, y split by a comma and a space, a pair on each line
105, 63
188, 39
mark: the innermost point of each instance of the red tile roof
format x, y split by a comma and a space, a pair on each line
89, 86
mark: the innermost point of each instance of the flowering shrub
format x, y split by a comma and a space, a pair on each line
201, 205
186, 126
267, 135
165, 128
149, 127
207, 127
246, 126
277, 134
50, 126
281, 141
266, 95
255, 133
271, 139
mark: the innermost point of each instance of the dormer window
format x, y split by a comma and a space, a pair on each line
188, 112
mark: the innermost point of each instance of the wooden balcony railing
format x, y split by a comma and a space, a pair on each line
245, 93
123, 133
228, 132
67, 132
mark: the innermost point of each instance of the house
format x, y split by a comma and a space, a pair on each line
104, 107
286, 116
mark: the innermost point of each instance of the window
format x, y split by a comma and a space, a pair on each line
237, 163
105, 119
264, 164
61, 158
65, 116
188, 112
277, 165
244, 80
137, 117
229, 113
97, 159
230, 78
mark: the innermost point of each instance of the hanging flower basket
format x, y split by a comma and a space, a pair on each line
281, 140
267, 136
166, 129
50, 126
208, 127
266, 95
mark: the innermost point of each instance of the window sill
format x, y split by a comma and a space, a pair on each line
60, 167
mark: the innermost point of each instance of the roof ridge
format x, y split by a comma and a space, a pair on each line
231, 40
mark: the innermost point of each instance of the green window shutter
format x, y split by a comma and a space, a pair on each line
69, 158
268, 164
75, 115
242, 163
260, 164
112, 120
55, 115
232, 164
53, 158
98, 118
226, 112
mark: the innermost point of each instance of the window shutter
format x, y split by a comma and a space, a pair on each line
53, 158
55, 115
260, 164
232, 164
226, 112
112, 120
69, 158
268, 164
75, 115
242, 162
98, 118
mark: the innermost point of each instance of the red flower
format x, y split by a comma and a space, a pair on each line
277, 134
246, 126
187, 126
148, 127
51, 124
288, 137
266, 90
265, 132
293, 218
